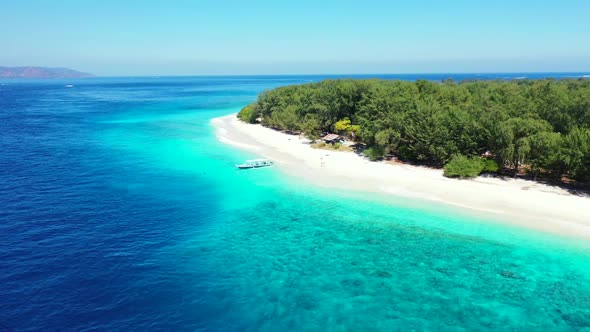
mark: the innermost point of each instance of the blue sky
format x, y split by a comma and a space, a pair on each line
202, 37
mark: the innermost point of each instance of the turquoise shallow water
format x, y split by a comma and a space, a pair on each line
356, 265
123, 212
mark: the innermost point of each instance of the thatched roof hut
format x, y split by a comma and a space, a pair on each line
331, 138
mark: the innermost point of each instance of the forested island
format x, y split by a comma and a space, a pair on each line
535, 127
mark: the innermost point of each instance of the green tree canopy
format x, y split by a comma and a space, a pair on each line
539, 125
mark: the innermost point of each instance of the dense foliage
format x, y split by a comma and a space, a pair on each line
248, 114
541, 126
468, 167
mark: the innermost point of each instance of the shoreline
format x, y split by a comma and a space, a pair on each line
516, 202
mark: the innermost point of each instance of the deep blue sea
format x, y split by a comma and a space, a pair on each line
120, 211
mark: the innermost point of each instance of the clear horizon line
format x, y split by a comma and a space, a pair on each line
351, 74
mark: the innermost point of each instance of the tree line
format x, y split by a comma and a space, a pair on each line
538, 126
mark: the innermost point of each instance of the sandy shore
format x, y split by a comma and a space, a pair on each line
523, 202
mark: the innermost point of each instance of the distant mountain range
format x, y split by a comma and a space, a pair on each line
41, 72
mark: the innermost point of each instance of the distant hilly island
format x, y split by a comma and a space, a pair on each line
41, 72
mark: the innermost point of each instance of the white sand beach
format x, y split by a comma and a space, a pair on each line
523, 202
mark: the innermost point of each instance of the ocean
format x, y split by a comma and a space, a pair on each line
120, 211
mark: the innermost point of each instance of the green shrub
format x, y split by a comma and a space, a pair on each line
337, 146
490, 166
464, 167
373, 153
248, 114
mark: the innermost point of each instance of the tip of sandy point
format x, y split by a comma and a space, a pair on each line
220, 119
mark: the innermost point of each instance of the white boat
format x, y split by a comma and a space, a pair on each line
69, 86
255, 163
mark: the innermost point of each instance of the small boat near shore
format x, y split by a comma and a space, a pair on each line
255, 163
